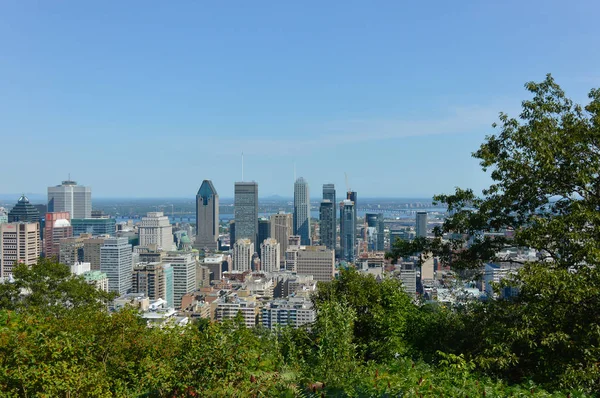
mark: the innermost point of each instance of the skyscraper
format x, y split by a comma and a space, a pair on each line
380, 232
329, 194
155, 280
351, 195
317, 261
327, 224
347, 230
264, 232
246, 211
207, 217
184, 274
155, 229
270, 260
76, 199
117, 263
24, 211
302, 211
282, 227
19, 242
57, 227
421, 224
242, 255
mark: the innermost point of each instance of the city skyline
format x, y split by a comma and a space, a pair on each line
390, 87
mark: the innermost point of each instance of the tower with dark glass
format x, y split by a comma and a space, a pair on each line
207, 217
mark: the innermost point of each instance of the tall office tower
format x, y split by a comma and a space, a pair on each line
271, 256
24, 211
92, 251
351, 195
242, 255
329, 194
184, 274
317, 261
380, 232
282, 225
264, 232
327, 223
246, 212
94, 226
57, 227
302, 211
19, 242
155, 280
76, 199
347, 230
421, 224
207, 217
155, 229
231, 233
117, 263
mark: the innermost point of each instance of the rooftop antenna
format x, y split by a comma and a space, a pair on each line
242, 166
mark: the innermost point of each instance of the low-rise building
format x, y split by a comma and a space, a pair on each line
294, 312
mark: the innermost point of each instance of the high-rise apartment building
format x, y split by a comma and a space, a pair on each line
155, 280
57, 227
421, 224
347, 230
317, 261
243, 250
327, 224
184, 274
270, 260
24, 211
76, 199
155, 229
246, 212
19, 242
329, 194
302, 211
207, 217
282, 227
116, 262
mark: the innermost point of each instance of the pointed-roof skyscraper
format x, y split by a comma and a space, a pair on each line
207, 217
302, 211
24, 211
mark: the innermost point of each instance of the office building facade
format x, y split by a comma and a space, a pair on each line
302, 211
421, 224
184, 274
24, 211
282, 227
270, 261
19, 243
116, 261
246, 212
327, 225
347, 230
155, 280
243, 250
155, 229
317, 261
76, 199
207, 217
94, 226
57, 227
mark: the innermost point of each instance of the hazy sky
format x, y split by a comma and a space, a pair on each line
142, 98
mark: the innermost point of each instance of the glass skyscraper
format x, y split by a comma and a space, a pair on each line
207, 217
302, 211
246, 211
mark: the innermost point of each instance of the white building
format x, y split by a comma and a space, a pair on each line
271, 257
19, 242
228, 308
293, 312
317, 261
155, 229
495, 273
184, 274
242, 255
117, 263
76, 199
79, 268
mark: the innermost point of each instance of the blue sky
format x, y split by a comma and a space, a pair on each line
147, 99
